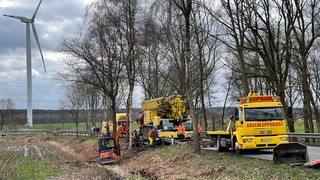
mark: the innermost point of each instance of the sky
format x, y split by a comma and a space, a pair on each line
55, 19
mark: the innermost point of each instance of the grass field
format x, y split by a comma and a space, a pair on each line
57, 126
214, 165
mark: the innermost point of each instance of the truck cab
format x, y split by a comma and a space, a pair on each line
169, 128
258, 123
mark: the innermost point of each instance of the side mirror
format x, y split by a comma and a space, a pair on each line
236, 114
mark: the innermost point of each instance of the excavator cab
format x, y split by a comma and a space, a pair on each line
109, 152
109, 148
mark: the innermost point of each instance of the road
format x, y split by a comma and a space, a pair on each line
267, 154
313, 152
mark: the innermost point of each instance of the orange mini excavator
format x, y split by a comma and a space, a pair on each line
109, 149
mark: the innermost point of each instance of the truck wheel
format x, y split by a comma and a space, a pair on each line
236, 147
219, 147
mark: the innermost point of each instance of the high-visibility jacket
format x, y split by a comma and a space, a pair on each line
151, 133
199, 128
150, 136
181, 129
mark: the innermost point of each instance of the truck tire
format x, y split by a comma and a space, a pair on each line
218, 144
236, 148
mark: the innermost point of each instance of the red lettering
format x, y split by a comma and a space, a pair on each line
264, 124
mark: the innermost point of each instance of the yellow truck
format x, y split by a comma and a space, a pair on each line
259, 123
164, 114
120, 119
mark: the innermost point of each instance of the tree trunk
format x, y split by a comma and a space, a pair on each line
114, 117
129, 114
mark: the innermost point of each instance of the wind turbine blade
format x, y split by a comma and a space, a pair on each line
38, 43
17, 17
35, 13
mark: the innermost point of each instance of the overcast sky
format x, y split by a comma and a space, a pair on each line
55, 18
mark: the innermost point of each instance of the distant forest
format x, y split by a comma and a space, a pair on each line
19, 116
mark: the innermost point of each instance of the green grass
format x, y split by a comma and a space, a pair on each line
82, 126
215, 165
33, 169
299, 126
169, 152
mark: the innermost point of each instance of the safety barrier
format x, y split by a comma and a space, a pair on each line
308, 138
305, 135
60, 132
73, 133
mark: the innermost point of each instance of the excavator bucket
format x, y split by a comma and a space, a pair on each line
103, 161
290, 153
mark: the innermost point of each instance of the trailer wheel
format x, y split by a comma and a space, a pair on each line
237, 149
219, 147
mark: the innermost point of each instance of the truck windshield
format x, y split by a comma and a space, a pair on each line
172, 125
261, 114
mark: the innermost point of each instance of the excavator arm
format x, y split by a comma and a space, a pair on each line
124, 128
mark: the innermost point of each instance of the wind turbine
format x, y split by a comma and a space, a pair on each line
28, 52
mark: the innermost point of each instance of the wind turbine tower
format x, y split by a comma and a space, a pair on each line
28, 21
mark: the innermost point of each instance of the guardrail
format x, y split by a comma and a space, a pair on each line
307, 138
73, 133
304, 135
59, 132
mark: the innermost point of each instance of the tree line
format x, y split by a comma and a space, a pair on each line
171, 47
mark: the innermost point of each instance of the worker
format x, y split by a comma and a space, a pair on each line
199, 129
181, 131
151, 137
141, 119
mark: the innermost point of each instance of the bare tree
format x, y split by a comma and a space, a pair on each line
315, 80
130, 8
269, 39
74, 103
230, 15
305, 33
205, 55
152, 75
186, 9
92, 103
6, 107
98, 53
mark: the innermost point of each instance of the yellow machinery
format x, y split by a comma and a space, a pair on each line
120, 119
165, 114
259, 123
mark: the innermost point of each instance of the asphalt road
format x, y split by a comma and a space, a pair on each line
267, 154
313, 152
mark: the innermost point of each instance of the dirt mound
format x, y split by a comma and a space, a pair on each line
80, 149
